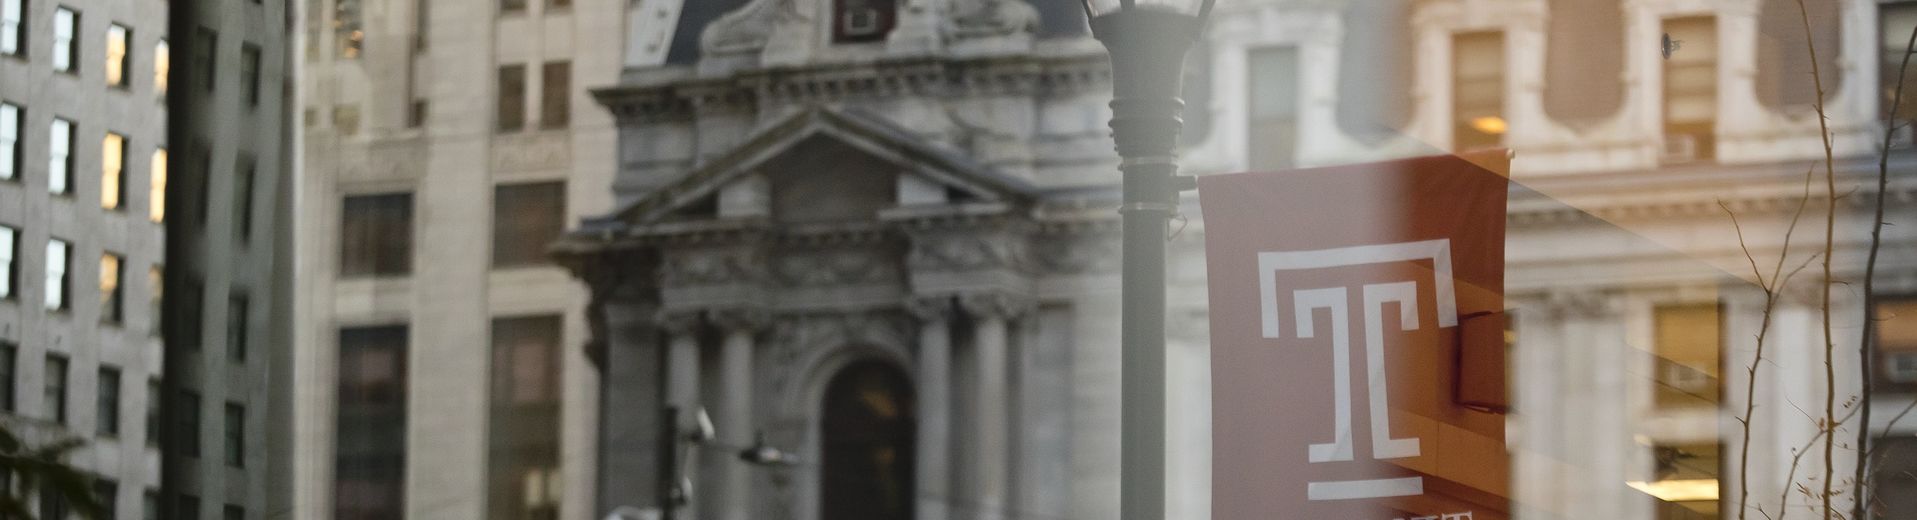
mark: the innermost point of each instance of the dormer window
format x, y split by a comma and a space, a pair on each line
858, 21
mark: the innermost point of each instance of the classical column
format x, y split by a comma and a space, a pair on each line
733, 414
682, 386
935, 406
991, 418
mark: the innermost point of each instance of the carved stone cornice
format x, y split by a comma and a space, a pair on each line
996, 304
809, 267
677, 322
742, 318
929, 308
1582, 303
705, 266
683, 97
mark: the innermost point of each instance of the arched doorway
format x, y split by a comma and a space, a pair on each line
868, 435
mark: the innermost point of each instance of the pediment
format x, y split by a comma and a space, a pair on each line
825, 164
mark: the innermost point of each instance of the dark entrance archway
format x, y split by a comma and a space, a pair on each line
867, 444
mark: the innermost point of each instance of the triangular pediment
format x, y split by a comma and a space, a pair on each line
821, 150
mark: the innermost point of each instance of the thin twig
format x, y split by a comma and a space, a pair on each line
1867, 363
1830, 245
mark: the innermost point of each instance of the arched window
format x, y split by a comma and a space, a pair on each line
869, 425
857, 21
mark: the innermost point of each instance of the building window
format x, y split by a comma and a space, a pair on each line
58, 266
156, 187
236, 319
346, 119
525, 416
1685, 481
53, 503
118, 67
162, 65
112, 310
1477, 91
191, 314
107, 493
189, 507
13, 27
1690, 91
1895, 21
59, 156
370, 463
1688, 341
9, 376
10, 148
243, 200
347, 28
376, 235
1272, 93
66, 22
112, 166
235, 435
107, 403
155, 293
205, 44
150, 506
9, 269
189, 428
416, 114
234, 512
199, 174
859, 21
53, 394
1895, 325
555, 101
526, 219
512, 98
250, 72
512, 6
153, 412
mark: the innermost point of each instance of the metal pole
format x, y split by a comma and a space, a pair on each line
1148, 53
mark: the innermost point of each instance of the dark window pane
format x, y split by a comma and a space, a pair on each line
250, 72
188, 434
370, 463
526, 219
376, 235
107, 493
512, 98
236, 318
243, 200
107, 403
524, 462
235, 435
54, 392
555, 105
9, 354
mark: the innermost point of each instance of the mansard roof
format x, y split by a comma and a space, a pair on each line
869, 134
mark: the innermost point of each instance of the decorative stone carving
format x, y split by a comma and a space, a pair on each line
1002, 305
835, 267
967, 251
711, 266
995, 18
740, 319
744, 30
929, 308
1582, 303
1078, 253
677, 321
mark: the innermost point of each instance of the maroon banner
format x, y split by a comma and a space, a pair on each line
1346, 302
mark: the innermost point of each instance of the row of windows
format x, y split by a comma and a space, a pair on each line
52, 505
56, 386
58, 278
60, 137
555, 104
371, 425
118, 62
376, 231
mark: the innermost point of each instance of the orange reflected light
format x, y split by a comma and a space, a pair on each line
1489, 124
1689, 490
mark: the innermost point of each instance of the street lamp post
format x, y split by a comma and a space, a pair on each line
1147, 40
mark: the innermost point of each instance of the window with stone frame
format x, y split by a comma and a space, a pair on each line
53, 389
370, 423
59, 269
1895, 21
106, 411
9, 376
1687, 347
1690, 91
862, 21
112, 171
112, 290
11, 148
1477, 91
66, 41
510, 115
523, 465
555, 95
376, 235
119, 63
9, 264
59, 156
527, 218
13, 28
1271, 92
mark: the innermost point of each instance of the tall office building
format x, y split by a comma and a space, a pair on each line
228, 277
445, 145
83, 173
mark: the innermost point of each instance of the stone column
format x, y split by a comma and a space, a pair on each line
935, 406
682, 384
991, 418
733, 415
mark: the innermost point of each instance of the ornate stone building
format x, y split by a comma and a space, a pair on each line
884, 244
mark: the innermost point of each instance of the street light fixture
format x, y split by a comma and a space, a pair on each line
1147, 40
